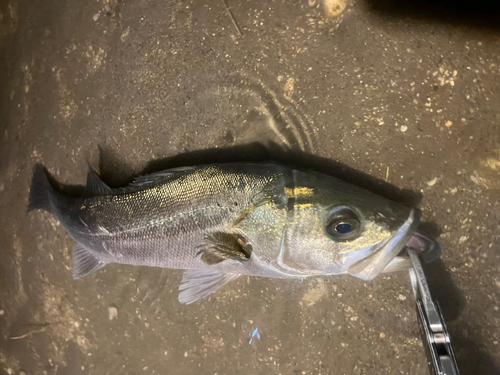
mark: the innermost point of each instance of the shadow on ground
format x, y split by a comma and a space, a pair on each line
481, 14
471, 355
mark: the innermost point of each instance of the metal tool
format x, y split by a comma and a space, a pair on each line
441, 358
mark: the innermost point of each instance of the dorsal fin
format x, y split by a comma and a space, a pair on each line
95, 186
160, 176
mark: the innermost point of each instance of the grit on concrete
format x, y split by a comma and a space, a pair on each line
396, 92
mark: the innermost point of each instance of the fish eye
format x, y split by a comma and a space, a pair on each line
343, 228
342, 224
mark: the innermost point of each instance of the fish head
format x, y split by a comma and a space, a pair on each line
335, 228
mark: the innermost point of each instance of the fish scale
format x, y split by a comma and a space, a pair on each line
164, 219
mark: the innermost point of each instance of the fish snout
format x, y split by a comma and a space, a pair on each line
375, 263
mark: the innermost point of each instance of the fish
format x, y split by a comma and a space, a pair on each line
220, 221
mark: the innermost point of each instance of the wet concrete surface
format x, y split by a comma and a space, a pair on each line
376, 92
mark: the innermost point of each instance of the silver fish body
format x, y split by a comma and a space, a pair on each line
225, 220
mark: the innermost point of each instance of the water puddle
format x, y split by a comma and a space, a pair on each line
244, 110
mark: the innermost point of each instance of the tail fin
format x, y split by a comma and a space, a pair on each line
41, 194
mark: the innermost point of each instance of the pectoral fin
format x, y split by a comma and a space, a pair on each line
219, 246
197, 284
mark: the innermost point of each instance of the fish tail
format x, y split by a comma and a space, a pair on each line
42, 194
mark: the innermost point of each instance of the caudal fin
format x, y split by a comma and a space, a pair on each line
41, 194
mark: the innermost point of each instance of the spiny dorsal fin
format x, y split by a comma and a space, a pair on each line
84, 263
160, 176
219, 246
95, 186
197, 284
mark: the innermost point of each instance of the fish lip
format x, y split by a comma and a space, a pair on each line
371, 266
427, 248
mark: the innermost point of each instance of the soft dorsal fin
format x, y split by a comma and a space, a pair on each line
95, 186
160, 176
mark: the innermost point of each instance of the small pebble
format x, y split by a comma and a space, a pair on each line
403, 128
432, 182
401, 297
448, 123
462, 239
382, 335
112, 312
2, 312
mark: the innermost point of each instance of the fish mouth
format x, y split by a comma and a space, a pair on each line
383, 253
427, 248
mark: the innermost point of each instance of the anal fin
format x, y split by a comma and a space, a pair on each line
200, 283
84, 263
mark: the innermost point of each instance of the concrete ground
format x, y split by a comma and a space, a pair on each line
402, 99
